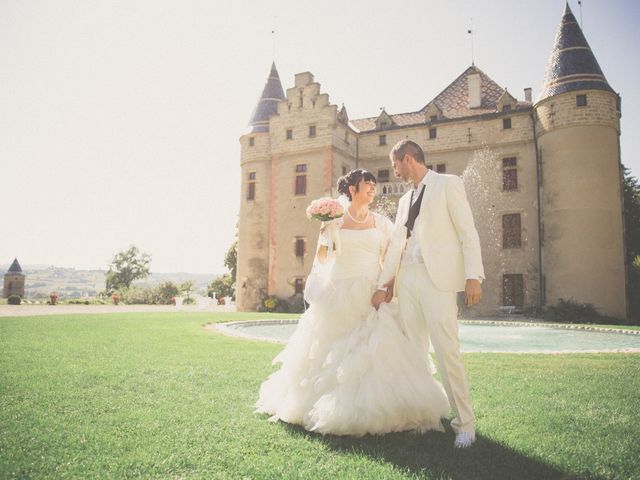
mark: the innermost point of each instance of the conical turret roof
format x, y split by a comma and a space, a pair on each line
572, 65
268, 103
15, 268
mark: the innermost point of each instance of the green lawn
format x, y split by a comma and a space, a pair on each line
158, 396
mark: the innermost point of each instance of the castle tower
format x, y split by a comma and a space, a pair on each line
297, 148
255, 202
577, 130
14, 281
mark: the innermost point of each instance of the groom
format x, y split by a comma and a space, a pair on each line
434, 253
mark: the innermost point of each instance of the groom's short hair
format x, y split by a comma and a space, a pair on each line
405, 146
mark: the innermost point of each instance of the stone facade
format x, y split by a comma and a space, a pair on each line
543, 180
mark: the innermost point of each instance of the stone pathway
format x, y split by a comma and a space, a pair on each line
31, 310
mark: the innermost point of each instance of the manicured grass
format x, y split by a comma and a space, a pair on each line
158, 396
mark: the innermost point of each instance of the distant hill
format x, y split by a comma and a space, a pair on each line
73, 283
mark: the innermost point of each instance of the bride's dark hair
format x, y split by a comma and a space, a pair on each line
353, 178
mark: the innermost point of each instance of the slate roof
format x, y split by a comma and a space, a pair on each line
15, 268
572, 65
453, 101
268, 103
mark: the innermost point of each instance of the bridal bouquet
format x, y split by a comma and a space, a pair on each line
324, 209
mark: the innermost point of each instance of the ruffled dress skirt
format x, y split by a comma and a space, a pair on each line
349, 369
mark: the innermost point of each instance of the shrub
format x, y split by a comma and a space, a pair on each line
14, 300
271, 303
163, 293
296, 303
137, 296
570, 311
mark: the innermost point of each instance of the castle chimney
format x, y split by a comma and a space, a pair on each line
475, 83
527, 94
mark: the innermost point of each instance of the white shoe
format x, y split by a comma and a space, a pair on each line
464, 439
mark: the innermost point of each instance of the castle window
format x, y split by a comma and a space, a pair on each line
513, 290
299, 250
289, 134
441, 168
383, 175
312, 131
433, 133
301, 179
581, 100
346, 137
252, 141
251, 186
382, 140
298, 285
506, 123
511, 231
509, 174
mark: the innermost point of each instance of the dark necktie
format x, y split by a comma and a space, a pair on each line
414, 211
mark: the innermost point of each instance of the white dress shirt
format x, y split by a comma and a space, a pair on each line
413, 253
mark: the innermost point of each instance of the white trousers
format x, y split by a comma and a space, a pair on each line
431, 314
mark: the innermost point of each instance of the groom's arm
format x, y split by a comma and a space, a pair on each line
391, 259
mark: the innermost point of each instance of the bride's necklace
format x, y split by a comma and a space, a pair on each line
366, 217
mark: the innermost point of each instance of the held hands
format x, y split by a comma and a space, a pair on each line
382, 296
472, 291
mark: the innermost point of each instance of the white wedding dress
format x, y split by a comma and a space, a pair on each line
349, 369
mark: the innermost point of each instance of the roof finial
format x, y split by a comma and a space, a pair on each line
470, 32
580, 5
273, 45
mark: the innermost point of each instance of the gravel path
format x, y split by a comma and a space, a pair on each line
30, 310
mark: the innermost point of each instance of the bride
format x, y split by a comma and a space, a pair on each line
349, 369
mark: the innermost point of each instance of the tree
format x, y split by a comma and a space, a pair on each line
231, 260
127, 266
164, 293
186, 288
631, 189
223, 286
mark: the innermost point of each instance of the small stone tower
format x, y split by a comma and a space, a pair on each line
14, 281
577, 128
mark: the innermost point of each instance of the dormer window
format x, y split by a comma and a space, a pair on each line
384, 120
506, 108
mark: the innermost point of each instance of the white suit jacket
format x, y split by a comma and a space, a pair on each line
445, 231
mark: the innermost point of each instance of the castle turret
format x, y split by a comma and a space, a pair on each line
577, 130
255, 201
14, 281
